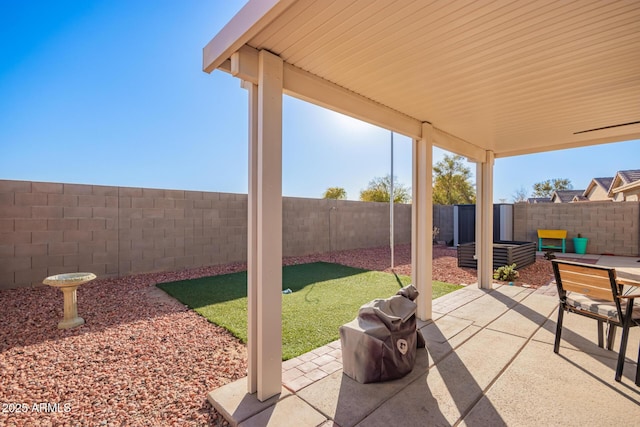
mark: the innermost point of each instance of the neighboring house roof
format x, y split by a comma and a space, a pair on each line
625, 180
539, 200
629, 176
580, 198
565, 196
605, 183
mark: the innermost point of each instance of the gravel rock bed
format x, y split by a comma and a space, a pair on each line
142, 358
445, 264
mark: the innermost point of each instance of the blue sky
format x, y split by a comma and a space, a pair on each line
111, 92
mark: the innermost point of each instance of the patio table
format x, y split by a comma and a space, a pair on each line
631, 275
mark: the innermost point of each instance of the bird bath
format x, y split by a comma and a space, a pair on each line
68, 283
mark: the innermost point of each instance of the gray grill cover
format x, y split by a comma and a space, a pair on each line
380, 344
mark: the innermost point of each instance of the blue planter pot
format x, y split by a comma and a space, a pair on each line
580, 244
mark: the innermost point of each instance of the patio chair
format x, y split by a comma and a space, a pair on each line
596, 292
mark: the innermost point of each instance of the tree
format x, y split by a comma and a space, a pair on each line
452, 182
520, 195
546, 188
379, 189
337, 193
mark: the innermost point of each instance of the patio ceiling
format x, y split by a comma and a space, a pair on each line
513, 77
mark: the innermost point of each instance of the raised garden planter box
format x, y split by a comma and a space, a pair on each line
504, 253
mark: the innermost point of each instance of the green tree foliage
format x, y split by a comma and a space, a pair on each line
337, 193
546, 188
379, 189
452, 182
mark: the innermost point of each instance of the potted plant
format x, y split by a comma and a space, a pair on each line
580, 244
506, 273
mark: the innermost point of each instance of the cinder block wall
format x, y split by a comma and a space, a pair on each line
319, 226
612, 227
52, 228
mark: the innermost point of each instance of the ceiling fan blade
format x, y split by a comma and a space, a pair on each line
607, 127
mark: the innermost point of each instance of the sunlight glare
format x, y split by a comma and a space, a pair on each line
349, 124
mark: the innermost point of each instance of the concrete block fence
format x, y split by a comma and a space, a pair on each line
612, 227
52, 228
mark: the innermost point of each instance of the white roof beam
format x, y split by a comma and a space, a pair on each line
225, 66
308, 87
244, 64
457, 145
249, 21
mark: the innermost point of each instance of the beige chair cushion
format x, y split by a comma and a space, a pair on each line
601, 307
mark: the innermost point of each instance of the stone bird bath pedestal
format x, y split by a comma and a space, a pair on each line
68, 283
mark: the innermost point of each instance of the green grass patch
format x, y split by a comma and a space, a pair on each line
324, 297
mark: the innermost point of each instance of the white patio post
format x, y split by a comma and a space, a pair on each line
252, 241
484, 220
422, 221
265, 231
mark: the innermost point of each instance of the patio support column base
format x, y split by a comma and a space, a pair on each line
422, 221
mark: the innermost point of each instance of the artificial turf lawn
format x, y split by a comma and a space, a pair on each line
324, 296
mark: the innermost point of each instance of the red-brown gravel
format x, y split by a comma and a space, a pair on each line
143, 358
445, 264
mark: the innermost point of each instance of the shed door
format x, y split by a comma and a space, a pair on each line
466, 223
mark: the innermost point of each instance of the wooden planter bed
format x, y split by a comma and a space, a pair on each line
504, 253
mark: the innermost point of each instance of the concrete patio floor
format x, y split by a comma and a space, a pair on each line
489, 361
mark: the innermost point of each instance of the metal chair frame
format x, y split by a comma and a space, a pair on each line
602, 283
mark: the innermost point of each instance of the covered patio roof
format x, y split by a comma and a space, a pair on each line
513, 77
483, 79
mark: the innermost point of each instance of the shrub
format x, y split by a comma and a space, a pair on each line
506, 273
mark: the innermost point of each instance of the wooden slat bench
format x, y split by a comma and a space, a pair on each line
555, 235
